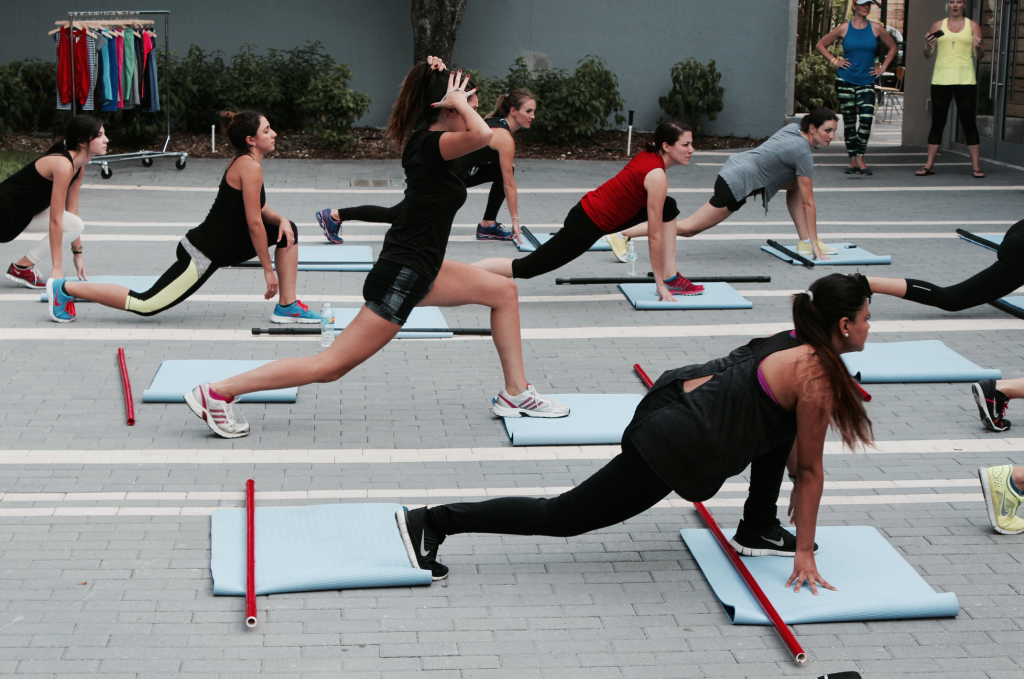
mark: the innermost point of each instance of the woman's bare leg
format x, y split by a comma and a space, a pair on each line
459, 284
499, 265
703, 219
286, 265
365, 336
113, 296
896, 287
1011, 388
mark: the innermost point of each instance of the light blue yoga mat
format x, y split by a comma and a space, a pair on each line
307, 549
874, 582
334, 258
421, 317
136, 283
1015, 301
849, 255
174, 378
594, 419
527, 246
996, 238
644, 296
921, 361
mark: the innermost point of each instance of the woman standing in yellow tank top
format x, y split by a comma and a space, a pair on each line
953, 78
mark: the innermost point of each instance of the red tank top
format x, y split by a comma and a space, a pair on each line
613, 203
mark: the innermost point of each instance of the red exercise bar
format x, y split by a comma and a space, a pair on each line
127, 388
794, 646
250, 560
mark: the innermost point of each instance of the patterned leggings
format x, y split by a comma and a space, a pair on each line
857, 104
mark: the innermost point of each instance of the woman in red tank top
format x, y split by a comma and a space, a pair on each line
637, 194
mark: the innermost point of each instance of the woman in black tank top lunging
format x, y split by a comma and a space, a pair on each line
239, 226
493, 164
702, 424
42, 197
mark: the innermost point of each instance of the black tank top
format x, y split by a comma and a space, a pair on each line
224, 234
467, 164
23, 195
695, 441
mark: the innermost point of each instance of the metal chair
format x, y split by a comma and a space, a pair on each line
892, 97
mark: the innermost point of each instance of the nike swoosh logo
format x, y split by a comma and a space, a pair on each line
777, 544
1002, 507
423, 551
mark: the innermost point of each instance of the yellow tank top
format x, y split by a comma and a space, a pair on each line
954, 59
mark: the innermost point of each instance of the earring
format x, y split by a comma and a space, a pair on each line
846, 334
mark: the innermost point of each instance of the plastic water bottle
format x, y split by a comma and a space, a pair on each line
326, 325
631, 259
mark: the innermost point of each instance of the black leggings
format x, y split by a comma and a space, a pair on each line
966, 97
177, 284
473, 176
998, 280
618, 491
575, 237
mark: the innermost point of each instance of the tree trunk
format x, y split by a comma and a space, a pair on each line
435, 25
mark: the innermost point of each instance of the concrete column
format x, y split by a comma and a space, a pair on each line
917, 115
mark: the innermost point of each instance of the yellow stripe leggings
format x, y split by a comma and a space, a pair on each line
174, 287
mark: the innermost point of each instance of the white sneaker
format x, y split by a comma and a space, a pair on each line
222, 417
528, 403
619, 245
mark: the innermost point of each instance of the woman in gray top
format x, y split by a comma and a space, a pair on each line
784, 161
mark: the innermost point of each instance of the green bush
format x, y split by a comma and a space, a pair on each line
198, 82
296, 69
695, 94
14, 106
27, 96
252, 83
489, 89
333, 106
815, 83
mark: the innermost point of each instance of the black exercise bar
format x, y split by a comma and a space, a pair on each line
786, 251
1008, 308
649, 278
530, 237
315, 330
977, 239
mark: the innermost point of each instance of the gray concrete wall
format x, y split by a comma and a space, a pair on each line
917, 115
747, 38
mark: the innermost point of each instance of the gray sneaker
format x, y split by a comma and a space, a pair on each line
221, 416
528, 404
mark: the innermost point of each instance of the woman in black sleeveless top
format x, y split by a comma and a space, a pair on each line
42, 197
239, 226
702, 424
493, 164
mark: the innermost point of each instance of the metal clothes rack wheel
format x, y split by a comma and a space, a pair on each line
145, 156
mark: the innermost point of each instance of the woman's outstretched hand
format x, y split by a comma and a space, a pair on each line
805, 569
79, 266
664, 294
272, 285
456, 91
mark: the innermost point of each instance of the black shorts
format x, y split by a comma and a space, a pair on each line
723, 196
393, 290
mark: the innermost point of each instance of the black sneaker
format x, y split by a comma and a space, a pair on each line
425, 542
992, 405
772, 541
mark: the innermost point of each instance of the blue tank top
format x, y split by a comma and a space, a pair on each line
859, 46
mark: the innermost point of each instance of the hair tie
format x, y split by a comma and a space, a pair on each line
809, 294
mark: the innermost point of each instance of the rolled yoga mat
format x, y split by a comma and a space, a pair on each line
174, 378
135, 283
849, 255
328, 258
593, 419
542, 238
644, 297
421, 317
921, 361
874, 582
312, 548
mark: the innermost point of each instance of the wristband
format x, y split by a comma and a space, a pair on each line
75, 252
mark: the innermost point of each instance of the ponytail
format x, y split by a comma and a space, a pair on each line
815, 315
817, 118
81, 129
238, 126
512, 100
667, 132
422, 87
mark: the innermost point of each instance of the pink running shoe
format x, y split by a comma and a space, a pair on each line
221, 416
678, 285
27, 277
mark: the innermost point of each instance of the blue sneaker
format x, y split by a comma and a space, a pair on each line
331, 226
62, 305
296, 312
492, 232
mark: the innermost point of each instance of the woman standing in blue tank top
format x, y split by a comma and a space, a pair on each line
855, 78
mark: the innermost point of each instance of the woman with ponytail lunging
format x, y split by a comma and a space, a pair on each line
637, 194
411, 270
493, 164
702, 424
783, 162
240, 226
42, 197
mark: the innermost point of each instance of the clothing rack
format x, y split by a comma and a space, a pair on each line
129, 18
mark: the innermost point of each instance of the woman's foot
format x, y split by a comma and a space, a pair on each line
619, 245
528, 404
219, 414
425, 542
852, 170
678, 285
296, 312
27, 276
493, 232
1001, 498
62, 305
866, 171
992, 405
978, 174
925, 172
330, 225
